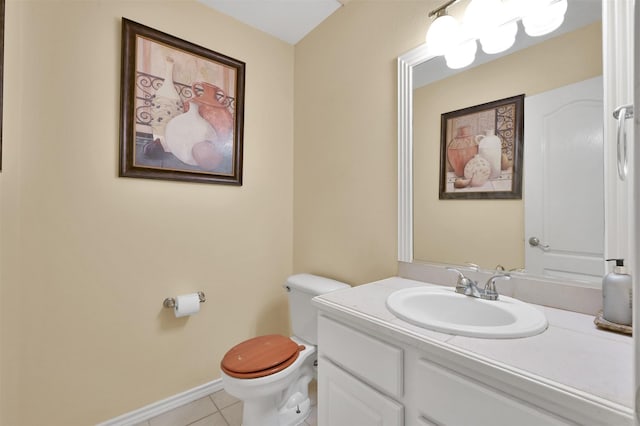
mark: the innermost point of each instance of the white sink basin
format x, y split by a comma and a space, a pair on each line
442, 309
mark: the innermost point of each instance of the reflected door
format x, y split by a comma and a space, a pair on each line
563, 182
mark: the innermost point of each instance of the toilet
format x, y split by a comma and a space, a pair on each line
271, 373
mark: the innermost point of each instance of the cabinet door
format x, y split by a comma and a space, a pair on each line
448, 398
343, 400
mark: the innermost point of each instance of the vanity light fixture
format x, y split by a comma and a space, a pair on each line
443, 33
493, 23
543, 17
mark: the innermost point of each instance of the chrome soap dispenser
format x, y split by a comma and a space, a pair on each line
616, 295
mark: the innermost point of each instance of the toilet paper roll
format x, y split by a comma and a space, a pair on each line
187, 304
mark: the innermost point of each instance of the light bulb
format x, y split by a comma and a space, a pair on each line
480, 17
443, 33
461, 55
544, 18
500, 39
491, 22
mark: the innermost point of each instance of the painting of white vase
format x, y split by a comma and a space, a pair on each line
182, 109
481, 151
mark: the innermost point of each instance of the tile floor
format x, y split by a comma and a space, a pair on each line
217, 409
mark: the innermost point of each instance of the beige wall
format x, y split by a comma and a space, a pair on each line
87, 258
486, 232
345, 179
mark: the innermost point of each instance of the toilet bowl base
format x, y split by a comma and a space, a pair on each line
296, 411
263, 412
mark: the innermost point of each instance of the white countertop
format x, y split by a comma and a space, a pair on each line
572, 352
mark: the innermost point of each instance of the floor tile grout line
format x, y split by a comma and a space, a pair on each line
229, 406
214, 403
220, 408
210, 415
224, 418
203, 417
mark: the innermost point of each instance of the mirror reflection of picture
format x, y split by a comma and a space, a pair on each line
481, 151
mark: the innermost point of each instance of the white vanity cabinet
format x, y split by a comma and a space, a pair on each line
365, 380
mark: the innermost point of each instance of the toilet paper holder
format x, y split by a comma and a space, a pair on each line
170, 302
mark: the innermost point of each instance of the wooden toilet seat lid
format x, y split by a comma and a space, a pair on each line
260, 356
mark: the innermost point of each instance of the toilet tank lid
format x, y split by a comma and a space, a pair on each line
314, 284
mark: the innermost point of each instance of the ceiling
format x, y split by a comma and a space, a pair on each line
288, 20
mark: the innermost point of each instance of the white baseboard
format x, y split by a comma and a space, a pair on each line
157, 408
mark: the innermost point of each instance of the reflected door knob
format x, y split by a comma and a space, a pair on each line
535, 242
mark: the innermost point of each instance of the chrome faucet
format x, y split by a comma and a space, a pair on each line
468, 287
489, 292
465, 285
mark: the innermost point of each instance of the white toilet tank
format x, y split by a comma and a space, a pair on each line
301, 289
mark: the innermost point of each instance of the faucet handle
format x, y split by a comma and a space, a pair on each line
463, 282
456, 270
490, 292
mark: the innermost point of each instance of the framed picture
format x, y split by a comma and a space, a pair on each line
181, 109
481, 151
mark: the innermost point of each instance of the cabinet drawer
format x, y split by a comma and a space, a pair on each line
376, 362
449, 398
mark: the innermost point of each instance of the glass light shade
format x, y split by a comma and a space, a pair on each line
544, 18
482, 16
499, 39
443, 34
461, 55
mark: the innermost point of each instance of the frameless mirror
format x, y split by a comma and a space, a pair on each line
550, 233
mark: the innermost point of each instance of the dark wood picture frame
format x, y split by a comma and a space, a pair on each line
190, 129
481, 151
1, 73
